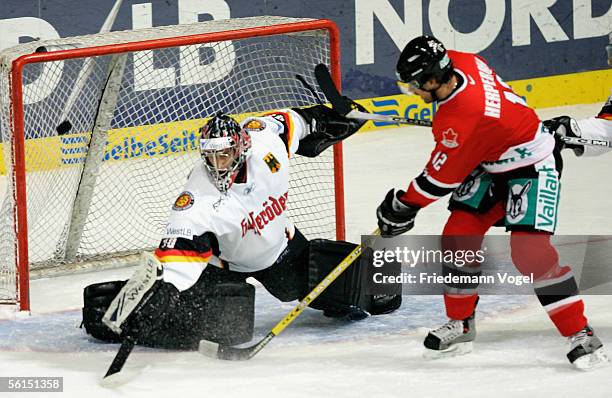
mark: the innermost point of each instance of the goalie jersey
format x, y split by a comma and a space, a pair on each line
245, 229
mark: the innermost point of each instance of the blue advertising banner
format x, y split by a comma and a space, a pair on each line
521, 39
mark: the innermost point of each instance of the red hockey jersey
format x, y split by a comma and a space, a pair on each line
483, 122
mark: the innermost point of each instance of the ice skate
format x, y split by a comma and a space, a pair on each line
586, 350
453, 338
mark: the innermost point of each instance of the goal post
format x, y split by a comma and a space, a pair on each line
91, 175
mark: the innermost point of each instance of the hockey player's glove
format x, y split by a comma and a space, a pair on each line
394, 216
565, 126
327, 127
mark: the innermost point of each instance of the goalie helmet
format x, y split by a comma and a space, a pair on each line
224, 147
423, 58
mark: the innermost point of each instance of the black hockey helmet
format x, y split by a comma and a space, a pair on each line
423, 58
224, 145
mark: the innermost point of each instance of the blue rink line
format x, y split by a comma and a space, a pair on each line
60, 332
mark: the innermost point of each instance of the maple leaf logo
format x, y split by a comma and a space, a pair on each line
449, 138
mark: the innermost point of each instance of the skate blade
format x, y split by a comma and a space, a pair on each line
452, 351
592, 361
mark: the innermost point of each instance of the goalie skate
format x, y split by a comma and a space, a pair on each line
586, 350
453, 338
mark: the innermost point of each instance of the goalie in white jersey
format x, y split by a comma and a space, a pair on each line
230, 223
593, 128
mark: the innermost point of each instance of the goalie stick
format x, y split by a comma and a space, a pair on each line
215, 350
343, 106
131, 296
113, 376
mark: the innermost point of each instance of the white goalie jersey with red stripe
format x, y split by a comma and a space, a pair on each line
250, 220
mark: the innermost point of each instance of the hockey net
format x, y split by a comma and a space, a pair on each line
99, 133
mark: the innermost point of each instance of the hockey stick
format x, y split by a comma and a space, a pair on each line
215, 350
585, 141
131, 296
111, 376
343, 105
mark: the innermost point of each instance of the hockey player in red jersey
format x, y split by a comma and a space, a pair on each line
594, 128
230, 223
500, 164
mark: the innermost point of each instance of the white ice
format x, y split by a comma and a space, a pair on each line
518, 352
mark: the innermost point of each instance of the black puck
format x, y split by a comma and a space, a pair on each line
64, 127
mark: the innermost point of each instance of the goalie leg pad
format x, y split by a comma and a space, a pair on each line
230, 314
97, 298
346, 296
219, 309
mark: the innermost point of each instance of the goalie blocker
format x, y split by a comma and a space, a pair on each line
220, 306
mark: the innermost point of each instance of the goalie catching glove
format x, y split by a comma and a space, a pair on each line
394, 216
327, 127
143, 303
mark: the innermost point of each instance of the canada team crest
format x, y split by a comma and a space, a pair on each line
449, 138
272, 162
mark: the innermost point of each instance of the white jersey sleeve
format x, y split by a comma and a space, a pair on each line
186, 247
285, 123
597, 128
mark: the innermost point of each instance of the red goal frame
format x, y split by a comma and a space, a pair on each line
17, 115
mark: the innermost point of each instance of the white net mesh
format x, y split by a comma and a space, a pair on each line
162, 98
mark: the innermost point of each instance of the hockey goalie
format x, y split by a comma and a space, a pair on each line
231, 223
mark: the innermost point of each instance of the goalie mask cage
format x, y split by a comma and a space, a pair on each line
99, 133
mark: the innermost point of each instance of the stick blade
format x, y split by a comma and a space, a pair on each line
209, 349
225, 352
122, 355
118, 379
